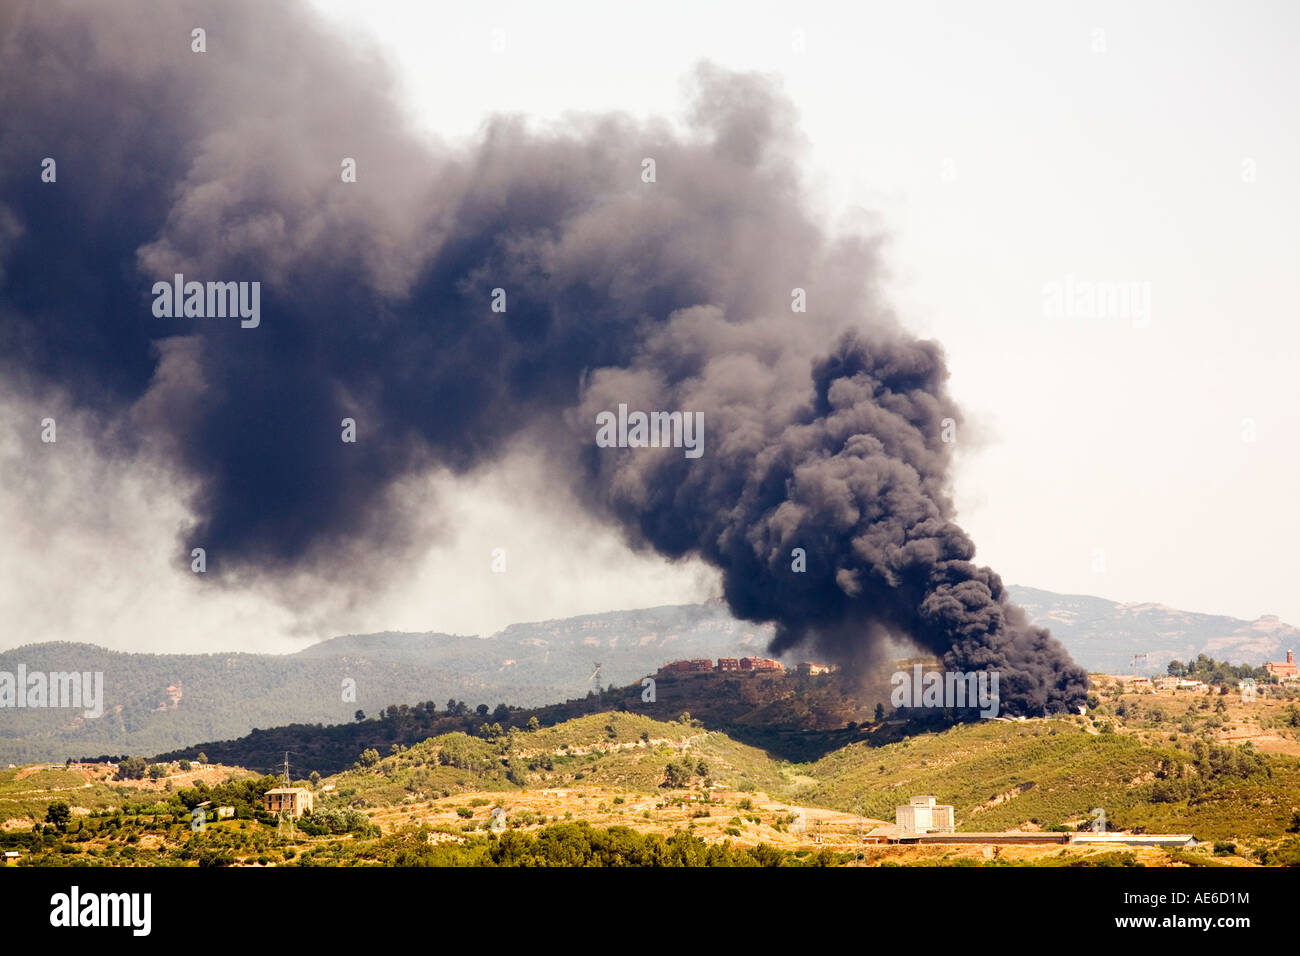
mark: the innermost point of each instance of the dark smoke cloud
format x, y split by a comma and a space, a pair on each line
822, 428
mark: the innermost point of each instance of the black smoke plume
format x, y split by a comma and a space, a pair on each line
822, 428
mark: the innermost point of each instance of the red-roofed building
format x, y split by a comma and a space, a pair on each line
1283, 671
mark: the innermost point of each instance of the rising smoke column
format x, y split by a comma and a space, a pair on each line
822, 428
856, 477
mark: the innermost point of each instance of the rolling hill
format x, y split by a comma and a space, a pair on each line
160, 702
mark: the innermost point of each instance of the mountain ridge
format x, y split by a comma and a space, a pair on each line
161, 702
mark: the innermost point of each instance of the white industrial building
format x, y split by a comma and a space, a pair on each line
923, 815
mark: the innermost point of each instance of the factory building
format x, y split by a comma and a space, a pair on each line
923, 815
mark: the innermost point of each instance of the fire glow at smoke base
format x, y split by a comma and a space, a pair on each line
824, 427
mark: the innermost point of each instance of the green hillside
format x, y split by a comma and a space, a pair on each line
788, 715
618, 750
1047, 773
431, 802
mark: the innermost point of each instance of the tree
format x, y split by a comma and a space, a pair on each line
185, 766
482, 710
157, 772
132, 768
1176, 668
359, 716
58, 814
533, 723
678, 775
314, 778
202, 758
765, 855
369, 757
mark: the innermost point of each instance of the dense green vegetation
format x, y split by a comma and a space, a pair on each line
575, 844
561, 844
1210, 671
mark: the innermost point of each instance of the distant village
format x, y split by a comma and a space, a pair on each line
1284, 672
704, 665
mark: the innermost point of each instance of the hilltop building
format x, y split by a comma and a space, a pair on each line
1283, 670
725, 664
700, 666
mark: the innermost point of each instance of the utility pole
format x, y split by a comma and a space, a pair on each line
285, 815
858, 857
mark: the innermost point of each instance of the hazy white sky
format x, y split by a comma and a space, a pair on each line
1003, 150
